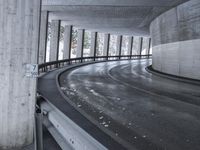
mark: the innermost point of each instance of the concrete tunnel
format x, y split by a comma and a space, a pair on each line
100, 74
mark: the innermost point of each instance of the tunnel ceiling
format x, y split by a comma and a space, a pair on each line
131, 17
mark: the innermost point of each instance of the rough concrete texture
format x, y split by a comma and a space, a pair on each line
178, 24
130, 45
67, 42
113, 2
131, 17
19, 28
119, 45
136, 46
106, 44
79, 52
54, 40
179, 58
176, 35
93, 44
43, 37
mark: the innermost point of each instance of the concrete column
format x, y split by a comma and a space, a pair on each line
19, 43
130, 45
141, 44
79, 52
149, 46
54, 41
119, 45
43, 36
106, 44
67, 42
93, 44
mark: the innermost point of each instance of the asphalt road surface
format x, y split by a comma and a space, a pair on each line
140, 110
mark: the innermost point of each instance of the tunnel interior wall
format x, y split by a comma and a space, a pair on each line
176, 41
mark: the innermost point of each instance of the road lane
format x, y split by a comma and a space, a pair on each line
138, 109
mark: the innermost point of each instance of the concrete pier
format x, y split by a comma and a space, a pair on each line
67, 42
54, 40
43, 36
136, 46
19, 36
119, 45
79, 52
141, 45
130, 45
106, 44
93, 44
149, 46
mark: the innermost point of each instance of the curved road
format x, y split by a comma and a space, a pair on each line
140, 110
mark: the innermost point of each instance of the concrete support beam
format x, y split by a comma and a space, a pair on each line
119, 45
19, 45
80, 42
130, 45
43, 36
106, 44
93, 44
67, 42
141, 45
54, 41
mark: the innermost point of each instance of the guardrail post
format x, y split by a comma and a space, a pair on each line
38, 130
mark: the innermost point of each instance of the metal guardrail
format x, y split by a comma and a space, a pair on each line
60, 63
67, 134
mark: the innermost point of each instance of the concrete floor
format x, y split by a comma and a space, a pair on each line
48, 142
138, 109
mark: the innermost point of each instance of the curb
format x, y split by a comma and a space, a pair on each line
172, 77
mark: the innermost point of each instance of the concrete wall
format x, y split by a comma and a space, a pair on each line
19, 36
176, 40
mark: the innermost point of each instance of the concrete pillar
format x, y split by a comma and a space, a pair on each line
149, 46
19, 43
130, 45
67, 42
93, 44
141, 44
79, 52
119, 45
106, 44
54, 41
43, 36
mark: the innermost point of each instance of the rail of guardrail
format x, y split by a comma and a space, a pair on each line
66, 133
60, 63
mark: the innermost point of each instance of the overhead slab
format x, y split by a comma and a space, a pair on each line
131, 17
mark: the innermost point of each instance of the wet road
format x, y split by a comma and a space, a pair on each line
140, 110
